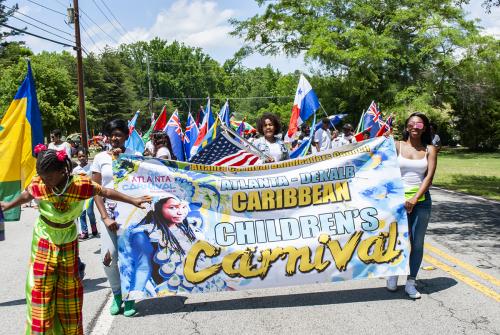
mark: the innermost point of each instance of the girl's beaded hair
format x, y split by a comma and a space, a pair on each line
52, 160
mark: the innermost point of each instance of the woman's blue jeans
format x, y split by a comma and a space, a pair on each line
418, 220
83, 220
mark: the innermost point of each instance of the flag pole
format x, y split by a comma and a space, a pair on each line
324, 111
257, 151
358, 128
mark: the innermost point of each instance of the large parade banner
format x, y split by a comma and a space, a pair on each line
324, 218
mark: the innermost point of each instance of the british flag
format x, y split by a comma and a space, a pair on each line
372, 120
224, 151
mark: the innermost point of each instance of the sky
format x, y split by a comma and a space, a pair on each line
197, 23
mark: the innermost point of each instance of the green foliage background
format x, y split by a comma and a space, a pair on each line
408, 55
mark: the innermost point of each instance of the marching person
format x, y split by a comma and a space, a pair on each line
54, 291
436, 140
57, 143
417, 159
322, 136
347, 136
162, 147
270, 143
102, 174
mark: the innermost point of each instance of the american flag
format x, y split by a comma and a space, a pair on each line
224, 151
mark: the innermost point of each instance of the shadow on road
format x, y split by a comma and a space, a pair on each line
89, 285
477, 221
176, 304
17, 302
92, 285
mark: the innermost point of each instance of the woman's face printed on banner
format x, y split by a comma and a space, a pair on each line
174, 211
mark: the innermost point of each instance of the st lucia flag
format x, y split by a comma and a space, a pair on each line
190, 135
305, 104
20, 131
210, 136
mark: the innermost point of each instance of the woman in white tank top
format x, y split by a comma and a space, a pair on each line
417, 159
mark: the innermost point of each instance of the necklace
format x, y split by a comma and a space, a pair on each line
63, 190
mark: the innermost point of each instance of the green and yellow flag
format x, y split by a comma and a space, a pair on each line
20, 131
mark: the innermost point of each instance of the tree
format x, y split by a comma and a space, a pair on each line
375, 49
475, 83
6, 32
487, 4
55, 87
176, 71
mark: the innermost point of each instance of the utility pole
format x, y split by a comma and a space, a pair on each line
79, 71
150, 88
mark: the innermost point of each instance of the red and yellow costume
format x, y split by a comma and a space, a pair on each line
54, 292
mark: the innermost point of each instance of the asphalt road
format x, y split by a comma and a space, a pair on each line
460, 290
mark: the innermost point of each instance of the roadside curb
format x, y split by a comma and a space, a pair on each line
467, 195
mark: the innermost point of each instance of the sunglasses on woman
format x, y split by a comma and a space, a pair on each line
418, 125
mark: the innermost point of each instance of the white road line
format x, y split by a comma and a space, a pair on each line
466, 195
104, 319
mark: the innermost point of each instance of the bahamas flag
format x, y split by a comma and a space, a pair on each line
20, 131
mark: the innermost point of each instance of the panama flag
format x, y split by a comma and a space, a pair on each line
190, 135
20, 131
206, 124
306, 103
174, 132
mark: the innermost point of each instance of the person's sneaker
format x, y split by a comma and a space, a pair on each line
83, 236
129, 308
392, 283
116, 305
411, 290
95, 233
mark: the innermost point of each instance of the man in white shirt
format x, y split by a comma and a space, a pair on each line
347, 136
322, 136
436, 140
57, 144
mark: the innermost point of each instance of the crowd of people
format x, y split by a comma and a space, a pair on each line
66, 191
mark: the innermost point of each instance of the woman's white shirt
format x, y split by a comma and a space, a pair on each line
163, 152
103, 164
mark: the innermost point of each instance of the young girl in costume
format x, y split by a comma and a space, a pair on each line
54, 291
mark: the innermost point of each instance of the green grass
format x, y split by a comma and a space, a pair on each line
469, 172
